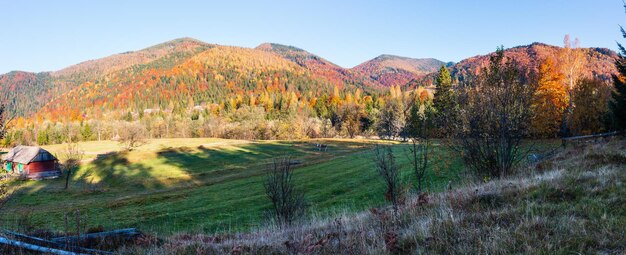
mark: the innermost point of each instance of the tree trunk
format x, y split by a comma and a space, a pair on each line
67, 178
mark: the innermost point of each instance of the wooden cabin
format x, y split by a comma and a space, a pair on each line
31, 162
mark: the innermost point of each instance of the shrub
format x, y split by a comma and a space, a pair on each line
288, 203
495, 118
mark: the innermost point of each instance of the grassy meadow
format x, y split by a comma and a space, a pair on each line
571, 202
207, 185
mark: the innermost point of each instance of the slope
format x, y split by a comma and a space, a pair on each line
319, 66
94, 68
213, 76
25, 93
599, 62
391, 70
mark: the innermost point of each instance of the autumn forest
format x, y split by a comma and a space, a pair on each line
187, 88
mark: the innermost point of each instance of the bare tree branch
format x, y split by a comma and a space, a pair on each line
288, 203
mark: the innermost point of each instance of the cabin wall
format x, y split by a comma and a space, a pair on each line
42, 166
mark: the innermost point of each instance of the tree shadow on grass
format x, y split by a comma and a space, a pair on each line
114, 170
204, 163
206, 159
215, 164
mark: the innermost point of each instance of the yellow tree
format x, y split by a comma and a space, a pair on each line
357, 95
550, 100
572, 60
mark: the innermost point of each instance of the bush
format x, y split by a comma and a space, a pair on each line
390, 172
288, 203
495, 117
132, 136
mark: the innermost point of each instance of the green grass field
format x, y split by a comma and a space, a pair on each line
206, 185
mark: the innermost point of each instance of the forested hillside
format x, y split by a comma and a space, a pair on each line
187, 88
320, 66
92, 69
390, 70
221, 76
25, 93
597, 62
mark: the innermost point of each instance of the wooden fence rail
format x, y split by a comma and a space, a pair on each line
37, 248
585, 137
59, 245
120, 233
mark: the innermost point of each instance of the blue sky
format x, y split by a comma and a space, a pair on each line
49, 35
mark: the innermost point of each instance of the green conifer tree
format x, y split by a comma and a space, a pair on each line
444, 102
618, 103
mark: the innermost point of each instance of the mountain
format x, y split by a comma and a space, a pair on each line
382, 71
181, 72
599, 62
103, 66
319, 66
219, 75
391, 70
25, 93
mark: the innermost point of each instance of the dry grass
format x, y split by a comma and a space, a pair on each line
572, 203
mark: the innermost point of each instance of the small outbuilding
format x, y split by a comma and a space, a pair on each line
31, 162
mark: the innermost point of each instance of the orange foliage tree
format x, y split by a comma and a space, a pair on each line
549, 101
